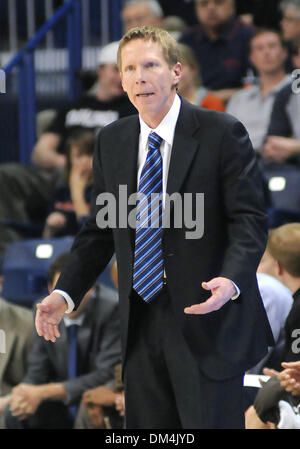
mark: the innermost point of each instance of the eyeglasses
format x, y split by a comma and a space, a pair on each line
205, 3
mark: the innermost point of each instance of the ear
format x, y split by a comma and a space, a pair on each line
296, 60
177, 71
122, 81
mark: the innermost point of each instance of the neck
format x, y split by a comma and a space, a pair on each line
270, 80
214, 32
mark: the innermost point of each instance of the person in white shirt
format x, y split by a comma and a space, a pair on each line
253, 105
192, 320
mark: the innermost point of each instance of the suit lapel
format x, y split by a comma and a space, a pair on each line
184, 148
127, 155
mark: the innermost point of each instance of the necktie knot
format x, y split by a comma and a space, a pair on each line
154, 141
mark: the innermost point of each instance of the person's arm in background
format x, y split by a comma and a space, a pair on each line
45, 154
35, 387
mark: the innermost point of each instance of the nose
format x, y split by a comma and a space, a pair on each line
140, 76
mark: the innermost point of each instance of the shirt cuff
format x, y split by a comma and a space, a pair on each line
67, 297
238, 292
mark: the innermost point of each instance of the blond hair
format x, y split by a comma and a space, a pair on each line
148, 33
284, 246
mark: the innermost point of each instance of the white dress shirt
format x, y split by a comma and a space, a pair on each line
166, 130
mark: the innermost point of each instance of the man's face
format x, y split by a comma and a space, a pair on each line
290, 24
139, 15
267, 53
147, 79
81, 161
214, 13
109, 78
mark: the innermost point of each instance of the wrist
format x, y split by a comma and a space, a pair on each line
54, 391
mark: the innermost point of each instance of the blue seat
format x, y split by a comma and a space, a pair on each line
283, 181
25, 268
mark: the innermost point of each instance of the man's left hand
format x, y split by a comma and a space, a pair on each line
25, 400
222, 290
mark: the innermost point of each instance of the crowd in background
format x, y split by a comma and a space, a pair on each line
237, 58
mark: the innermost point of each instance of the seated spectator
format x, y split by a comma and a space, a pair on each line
190, 86
141, 12
283, 142
58, 375
106, 104
278, 300
284, 247
220, 43
290, 25
16, 327
253, 105
71, 202
25, 190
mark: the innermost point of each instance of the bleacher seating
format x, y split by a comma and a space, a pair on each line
26, 265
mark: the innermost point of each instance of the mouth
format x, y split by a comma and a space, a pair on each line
145, 95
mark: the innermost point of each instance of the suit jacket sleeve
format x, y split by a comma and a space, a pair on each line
93, 247
244, 207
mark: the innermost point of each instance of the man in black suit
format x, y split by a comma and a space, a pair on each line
49, 393
185, 352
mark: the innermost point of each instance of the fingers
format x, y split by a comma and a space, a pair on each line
47, 330
212, 304
291, 365
270, 372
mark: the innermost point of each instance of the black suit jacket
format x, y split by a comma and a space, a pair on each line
99, 349
211, 154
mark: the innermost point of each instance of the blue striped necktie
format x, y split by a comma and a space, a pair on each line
148, 268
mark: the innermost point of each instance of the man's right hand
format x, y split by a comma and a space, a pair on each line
48, 316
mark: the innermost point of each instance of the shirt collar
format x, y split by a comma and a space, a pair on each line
254, 90
166, 128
